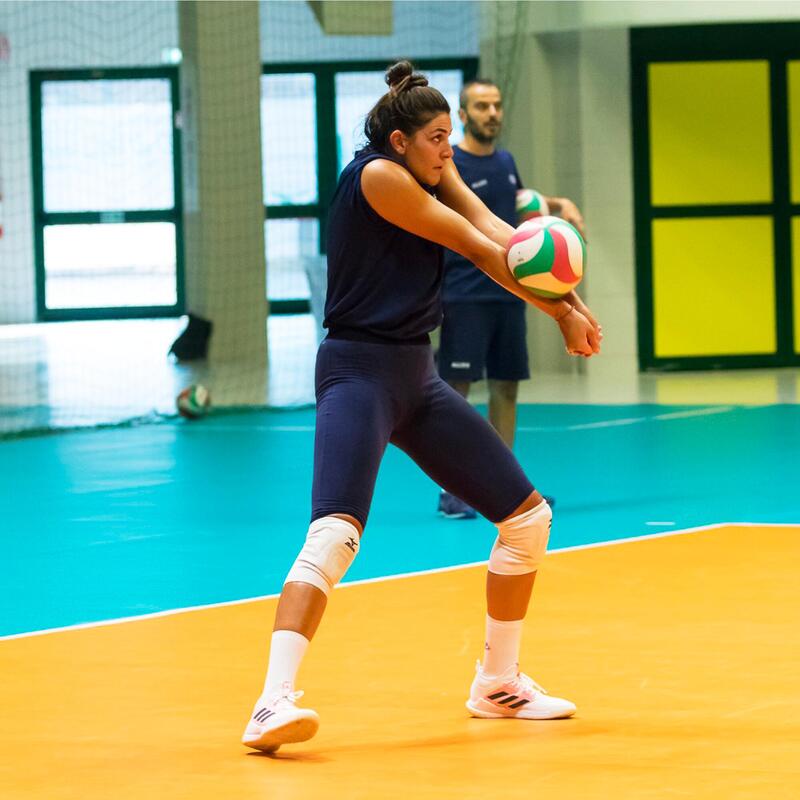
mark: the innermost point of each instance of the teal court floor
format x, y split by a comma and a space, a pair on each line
122, 522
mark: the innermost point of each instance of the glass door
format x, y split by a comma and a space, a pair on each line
291, 194
107, 194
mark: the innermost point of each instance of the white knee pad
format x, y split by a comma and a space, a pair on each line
331, 545
522, 542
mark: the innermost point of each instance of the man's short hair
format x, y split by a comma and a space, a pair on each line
463, 96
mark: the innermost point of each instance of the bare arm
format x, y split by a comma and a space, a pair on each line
455, 194
393, 193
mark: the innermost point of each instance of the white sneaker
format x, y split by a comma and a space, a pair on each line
514, 695
276, 720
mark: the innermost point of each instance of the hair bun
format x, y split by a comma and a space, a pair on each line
401, 77
398, 71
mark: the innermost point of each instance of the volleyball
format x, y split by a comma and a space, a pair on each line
530, 205
547, 256
194, 401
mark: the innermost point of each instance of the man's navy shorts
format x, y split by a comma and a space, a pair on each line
483, 340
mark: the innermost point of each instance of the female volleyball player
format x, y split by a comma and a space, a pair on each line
397, 204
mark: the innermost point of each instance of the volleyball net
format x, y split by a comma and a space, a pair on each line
165, 174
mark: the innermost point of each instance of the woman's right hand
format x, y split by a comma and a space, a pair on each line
580, 336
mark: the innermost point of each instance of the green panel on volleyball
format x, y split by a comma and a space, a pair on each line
544, 293
530, 204
540, 263
546, 256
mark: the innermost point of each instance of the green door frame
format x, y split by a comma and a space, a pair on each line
43, 218
776, 43
327, 154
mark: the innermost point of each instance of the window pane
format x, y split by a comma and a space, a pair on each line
793, 78
357, 92
796, 283
289, 139
292, 351
710, 139
292, 250
727, 266
107, 145
106, 266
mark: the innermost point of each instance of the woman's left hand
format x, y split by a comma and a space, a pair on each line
576, 301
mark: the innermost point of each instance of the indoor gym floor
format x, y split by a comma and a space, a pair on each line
668, 611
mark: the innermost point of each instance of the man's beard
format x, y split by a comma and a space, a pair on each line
475, 131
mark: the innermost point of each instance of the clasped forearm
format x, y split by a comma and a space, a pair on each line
564, 312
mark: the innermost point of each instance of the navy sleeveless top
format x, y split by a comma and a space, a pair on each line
384, 283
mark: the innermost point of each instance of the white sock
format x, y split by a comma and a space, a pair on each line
502, 645
285, 654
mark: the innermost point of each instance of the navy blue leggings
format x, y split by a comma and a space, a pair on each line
371, 394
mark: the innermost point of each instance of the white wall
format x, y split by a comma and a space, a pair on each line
569, 132
606, 150
548, 16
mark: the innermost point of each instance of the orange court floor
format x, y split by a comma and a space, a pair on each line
682, 653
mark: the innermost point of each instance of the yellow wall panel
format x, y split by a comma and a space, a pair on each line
796, 281
710, 133
713, 286
793, 78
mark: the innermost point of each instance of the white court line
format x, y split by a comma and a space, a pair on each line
303, 428
259, 428
696, 412
616, 423
592, 545
609, 423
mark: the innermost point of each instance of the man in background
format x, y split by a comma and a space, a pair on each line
484, 332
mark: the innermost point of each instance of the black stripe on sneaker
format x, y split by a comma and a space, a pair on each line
263, 715
519, 703
507, 699
496, 695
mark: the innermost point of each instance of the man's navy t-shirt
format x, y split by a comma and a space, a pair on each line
495, 180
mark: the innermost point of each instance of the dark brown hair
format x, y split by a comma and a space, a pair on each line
408, 105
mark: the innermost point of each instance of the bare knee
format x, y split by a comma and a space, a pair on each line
352, 520
531, 501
